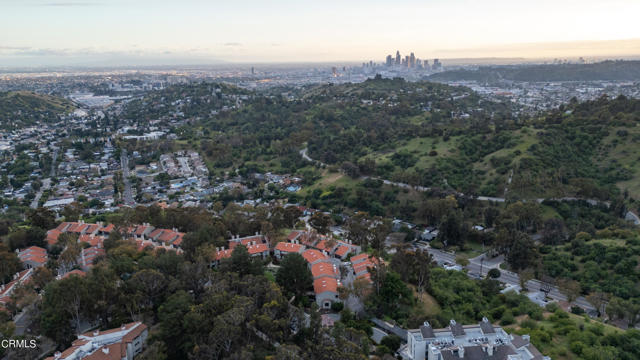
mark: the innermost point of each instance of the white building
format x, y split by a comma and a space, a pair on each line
472, 342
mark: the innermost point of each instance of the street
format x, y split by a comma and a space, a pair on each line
124, 163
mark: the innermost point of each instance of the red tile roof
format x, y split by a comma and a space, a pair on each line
257, 249
223, 254
107, 229
75, 272
52, 236
324, 269
358, 258
313, 255
342, 250
288, 247
92, 240
92, 228
325, 284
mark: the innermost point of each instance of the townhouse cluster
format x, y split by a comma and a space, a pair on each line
94, 235
31, 258
323, 255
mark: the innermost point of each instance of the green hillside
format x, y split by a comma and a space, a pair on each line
427, 134
22, 108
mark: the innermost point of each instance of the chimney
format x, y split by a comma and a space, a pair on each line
461, 352
123, 327
105, 350
526, 338
57, 355
95, 333
490, 349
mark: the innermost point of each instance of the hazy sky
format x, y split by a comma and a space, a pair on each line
58, 31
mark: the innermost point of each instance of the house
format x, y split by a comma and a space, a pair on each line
122, 343
314, 256
284, 248
361, 264
324, 269
93, 240
33, 257
326, 290
221, 253
7, 289
88, 256
481, 341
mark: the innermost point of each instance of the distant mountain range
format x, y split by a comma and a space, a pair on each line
606, 70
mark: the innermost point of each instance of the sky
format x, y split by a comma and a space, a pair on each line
57, 32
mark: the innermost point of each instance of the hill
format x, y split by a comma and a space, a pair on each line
424, 133
22, 108
606, 70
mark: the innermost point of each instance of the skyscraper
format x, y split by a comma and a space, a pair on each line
412, 60
436, 64
389, 61
398, 58
406, 61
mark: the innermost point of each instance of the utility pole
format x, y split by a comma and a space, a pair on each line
481, 263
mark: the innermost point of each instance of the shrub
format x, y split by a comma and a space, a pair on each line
507, 318
577, 310
337, 306
494, 273
529, 324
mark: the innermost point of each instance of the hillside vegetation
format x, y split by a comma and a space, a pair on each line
419, 133
22, 108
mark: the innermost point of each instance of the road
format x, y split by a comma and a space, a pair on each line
53, 163
128, 193
46, 184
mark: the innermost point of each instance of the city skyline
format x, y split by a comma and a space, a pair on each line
169, 32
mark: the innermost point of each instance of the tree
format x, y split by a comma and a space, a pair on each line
616, 308
358, 229
351, 169
62, 308
171, 329
452, 230
524, 276
598, 299
241, 262
413, 267
294, 275
9, 264
291, 215
321, 222
554, 232
42, 218
570, 288
394, 298
494, 273
522, 252
149, 285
